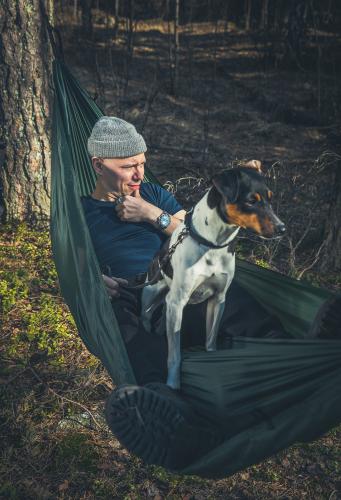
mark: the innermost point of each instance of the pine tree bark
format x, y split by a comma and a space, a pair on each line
331, 260
25, 71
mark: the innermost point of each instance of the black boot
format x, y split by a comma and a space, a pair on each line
158, 425
327, 322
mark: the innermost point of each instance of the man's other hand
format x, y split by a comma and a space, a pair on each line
113, 285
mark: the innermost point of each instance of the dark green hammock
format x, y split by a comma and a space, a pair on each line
265, 393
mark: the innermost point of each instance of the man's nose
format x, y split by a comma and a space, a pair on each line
138, 174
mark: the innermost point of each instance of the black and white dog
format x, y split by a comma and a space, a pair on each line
203, 264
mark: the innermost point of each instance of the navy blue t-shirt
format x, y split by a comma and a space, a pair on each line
126, 247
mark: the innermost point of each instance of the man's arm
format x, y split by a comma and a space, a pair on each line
176, 219
136, 209
140, 211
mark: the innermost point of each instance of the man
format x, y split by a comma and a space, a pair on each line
128, 222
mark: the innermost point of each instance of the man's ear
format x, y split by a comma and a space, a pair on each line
97, 165
227, 183
256, 164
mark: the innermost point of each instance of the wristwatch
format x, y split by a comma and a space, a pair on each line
164, 220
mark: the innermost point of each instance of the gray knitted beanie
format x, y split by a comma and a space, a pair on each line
112, 137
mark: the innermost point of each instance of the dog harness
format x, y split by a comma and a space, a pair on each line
162, 260
202, 241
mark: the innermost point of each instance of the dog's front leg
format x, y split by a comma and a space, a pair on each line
173, 321
152, 297
214, 312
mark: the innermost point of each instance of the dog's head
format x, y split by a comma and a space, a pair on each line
243, 199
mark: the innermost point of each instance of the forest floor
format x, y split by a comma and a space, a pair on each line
231, 103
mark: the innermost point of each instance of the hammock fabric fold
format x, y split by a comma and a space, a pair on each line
264, 393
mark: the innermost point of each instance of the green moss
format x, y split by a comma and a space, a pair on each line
103, 489
49, 326
30, 297
9, 491
75, 448
13, 288
262, 263
28, 8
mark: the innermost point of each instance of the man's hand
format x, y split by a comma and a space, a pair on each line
134, 208
113, 285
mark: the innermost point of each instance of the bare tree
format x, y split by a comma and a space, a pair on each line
296, 30
332, 254
117, 17
130, 43
87, 17
264, 14
75, 10
130, 27
248, 5
176, 46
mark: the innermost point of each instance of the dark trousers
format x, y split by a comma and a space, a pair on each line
243, 316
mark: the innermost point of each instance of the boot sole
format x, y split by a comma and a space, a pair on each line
144, 422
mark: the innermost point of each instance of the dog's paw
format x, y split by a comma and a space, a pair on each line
146, 323
211, 346
173, 380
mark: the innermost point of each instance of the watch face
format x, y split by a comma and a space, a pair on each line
164, 220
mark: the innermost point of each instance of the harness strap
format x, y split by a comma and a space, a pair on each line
161, 261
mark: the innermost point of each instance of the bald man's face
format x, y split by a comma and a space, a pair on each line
120, 175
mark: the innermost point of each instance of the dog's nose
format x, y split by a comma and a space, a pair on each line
280, 229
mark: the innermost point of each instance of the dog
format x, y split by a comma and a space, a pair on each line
202, 262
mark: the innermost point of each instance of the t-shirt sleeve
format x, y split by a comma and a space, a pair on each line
164, 199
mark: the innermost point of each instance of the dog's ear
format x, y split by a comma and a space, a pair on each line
227, 183
256, 164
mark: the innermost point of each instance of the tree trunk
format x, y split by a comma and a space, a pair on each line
332, 255
170, 45
226, 17
296, 30
24, 110
264, 15
277, 16
176, 46
130, 43
117, 17
130, 34
75, 10
248, 14
87, 17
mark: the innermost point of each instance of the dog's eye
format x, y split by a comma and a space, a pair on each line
253, 199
